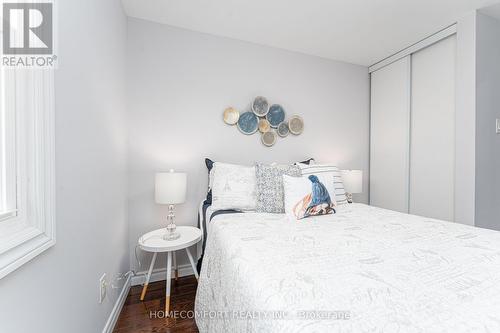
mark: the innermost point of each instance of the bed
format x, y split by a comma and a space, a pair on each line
363, 269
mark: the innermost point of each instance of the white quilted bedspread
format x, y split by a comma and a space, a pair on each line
385, 271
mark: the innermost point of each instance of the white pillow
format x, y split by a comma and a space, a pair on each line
334, 178
233, 187
296, 188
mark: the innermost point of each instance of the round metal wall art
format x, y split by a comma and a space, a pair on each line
276, 115
296, 125
231, 116
248, 123
283, 129
268, 120
264, 125
260, 106
269, 138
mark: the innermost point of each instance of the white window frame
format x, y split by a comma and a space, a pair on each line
8, 187
30, 230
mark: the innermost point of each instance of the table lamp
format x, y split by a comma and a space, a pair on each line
353, 182
170, 189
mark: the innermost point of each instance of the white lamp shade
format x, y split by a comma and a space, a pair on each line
170, 188
353, 181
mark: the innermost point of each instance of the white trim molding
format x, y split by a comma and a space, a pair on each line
117, 308
442, 34
32, 230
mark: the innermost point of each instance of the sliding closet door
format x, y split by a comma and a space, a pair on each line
389, 136
432, 148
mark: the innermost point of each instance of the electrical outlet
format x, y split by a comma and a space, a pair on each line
103, 283
498, 126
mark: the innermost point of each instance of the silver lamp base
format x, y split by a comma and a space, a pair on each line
171, 234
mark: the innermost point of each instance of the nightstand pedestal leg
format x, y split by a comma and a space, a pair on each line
148, 277
175, 266
193, 265
169, 276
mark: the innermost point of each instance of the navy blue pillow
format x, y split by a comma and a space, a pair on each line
308, 161
210, 164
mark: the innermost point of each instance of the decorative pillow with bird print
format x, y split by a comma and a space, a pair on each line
308, 196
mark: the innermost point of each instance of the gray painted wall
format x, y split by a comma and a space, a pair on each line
487, 110
58, 291
179, 82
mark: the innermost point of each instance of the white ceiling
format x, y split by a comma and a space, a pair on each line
356, 31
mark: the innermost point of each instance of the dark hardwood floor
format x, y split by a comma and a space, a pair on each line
135, 315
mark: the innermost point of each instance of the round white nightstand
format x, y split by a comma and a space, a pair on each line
153, 242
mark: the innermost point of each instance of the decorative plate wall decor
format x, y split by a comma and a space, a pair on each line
296, 125
283, 129
264, 125
269, 138
260, 106
248, 123
231, 116
276, 115
270, 121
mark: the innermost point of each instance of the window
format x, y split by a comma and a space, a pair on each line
8, 175
27, 225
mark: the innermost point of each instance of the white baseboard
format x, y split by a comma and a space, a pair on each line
160, 274
117, 308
